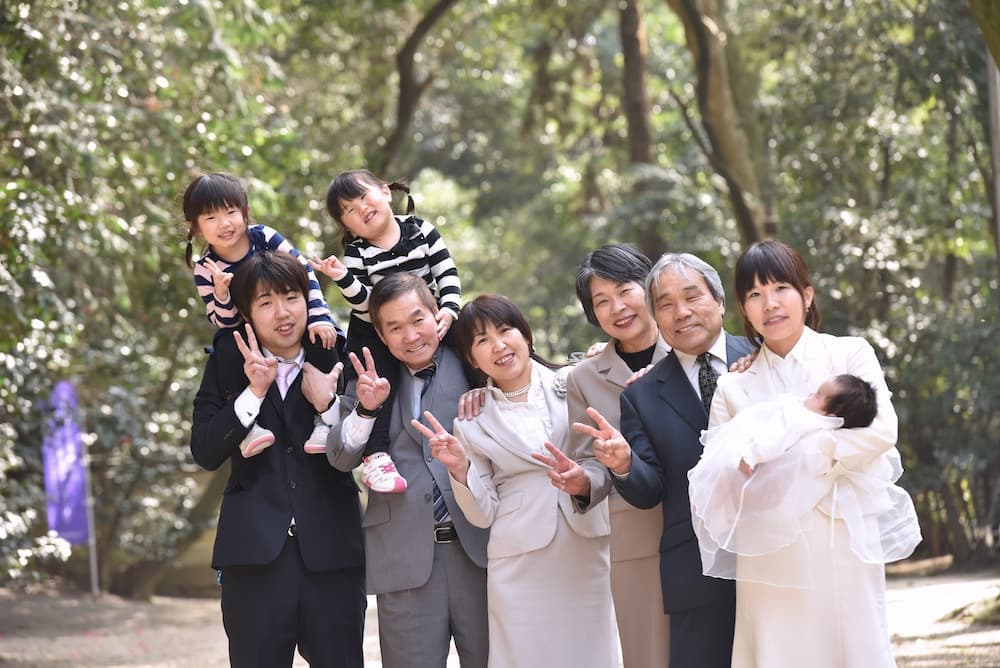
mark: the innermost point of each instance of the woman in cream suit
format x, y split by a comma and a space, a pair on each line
820, 601
548, 589
609, 284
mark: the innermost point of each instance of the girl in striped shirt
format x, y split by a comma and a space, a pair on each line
216, 209
378, 243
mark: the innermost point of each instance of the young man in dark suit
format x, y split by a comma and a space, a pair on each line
662, 417
288, 544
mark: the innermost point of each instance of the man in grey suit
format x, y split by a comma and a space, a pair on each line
662, 417
424, 561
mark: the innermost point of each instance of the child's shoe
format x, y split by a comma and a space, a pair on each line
380, 475
316, 443
258, 439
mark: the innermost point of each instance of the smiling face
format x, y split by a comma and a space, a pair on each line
225, 230
501, 352
777, 311
279, 320
407, 327
688, 316
370, 216
620, 309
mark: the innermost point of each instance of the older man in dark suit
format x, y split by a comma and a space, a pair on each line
288, 545
662, 416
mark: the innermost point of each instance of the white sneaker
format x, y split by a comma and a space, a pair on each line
380, 475
258, 439
316, 443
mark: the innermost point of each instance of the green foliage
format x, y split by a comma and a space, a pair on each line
872, 118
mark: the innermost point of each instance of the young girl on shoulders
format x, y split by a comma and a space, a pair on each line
217, 210
378, 243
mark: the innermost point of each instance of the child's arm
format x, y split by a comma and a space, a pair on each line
211, 279
320, 322
354, 283
445, 273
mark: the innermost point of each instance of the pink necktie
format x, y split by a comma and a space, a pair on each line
284, 377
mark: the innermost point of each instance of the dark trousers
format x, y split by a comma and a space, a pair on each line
270, 609
703, 637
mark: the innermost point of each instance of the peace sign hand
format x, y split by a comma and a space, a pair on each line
260, 370
610, 447
564, 473
372, 390
445, 447
220, 280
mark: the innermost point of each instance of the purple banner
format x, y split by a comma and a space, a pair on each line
62, 456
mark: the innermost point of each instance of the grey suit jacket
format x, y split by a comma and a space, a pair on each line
598, 382
399, 528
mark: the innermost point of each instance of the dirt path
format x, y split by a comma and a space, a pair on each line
47, 630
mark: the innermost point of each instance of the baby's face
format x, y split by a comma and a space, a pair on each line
816, 402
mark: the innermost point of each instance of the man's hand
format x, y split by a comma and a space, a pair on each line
471, 403
743, 363
564, 473
445, 447
610, 447
320, 388
331, 266
260, 370
372, 390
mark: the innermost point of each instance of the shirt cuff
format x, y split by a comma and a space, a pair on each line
619, 476
247, 407
331, 416
355, 431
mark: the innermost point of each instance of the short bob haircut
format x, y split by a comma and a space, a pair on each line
772, 261
683, 263
277, 271
211, 192
493, 310
393, 287
618, 263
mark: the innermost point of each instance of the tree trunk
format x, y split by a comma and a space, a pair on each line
636, 100
960, 546
411, 87
139, 580
728, 149
987, 13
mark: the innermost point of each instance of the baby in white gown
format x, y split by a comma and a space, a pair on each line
763, 473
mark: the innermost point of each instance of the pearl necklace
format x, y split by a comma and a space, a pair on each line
518, 392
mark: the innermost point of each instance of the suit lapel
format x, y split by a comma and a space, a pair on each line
675, 389
611, 366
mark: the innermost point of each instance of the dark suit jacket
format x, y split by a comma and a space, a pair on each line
266, 490
662, 420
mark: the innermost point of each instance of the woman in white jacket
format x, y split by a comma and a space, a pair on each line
548, 576
820, 600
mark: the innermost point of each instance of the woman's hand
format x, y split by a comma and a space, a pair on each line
445, 447
745, 468
564, 473
610, 447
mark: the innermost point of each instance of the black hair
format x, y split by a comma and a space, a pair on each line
353, 184
619, 263
278, 271
855, 401
211, 192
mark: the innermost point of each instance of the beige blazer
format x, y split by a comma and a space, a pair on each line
508, 490
598, 382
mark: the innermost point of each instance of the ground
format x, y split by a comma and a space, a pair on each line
928, 620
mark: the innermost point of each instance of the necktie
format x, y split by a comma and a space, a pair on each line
284, 376
440, 509
708, 377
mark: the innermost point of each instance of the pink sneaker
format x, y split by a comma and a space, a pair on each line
380, 475
316, 443
256, 440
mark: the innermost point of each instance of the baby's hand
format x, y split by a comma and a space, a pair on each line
220, 281
331, 266
444, 319
745, 468
326, 333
